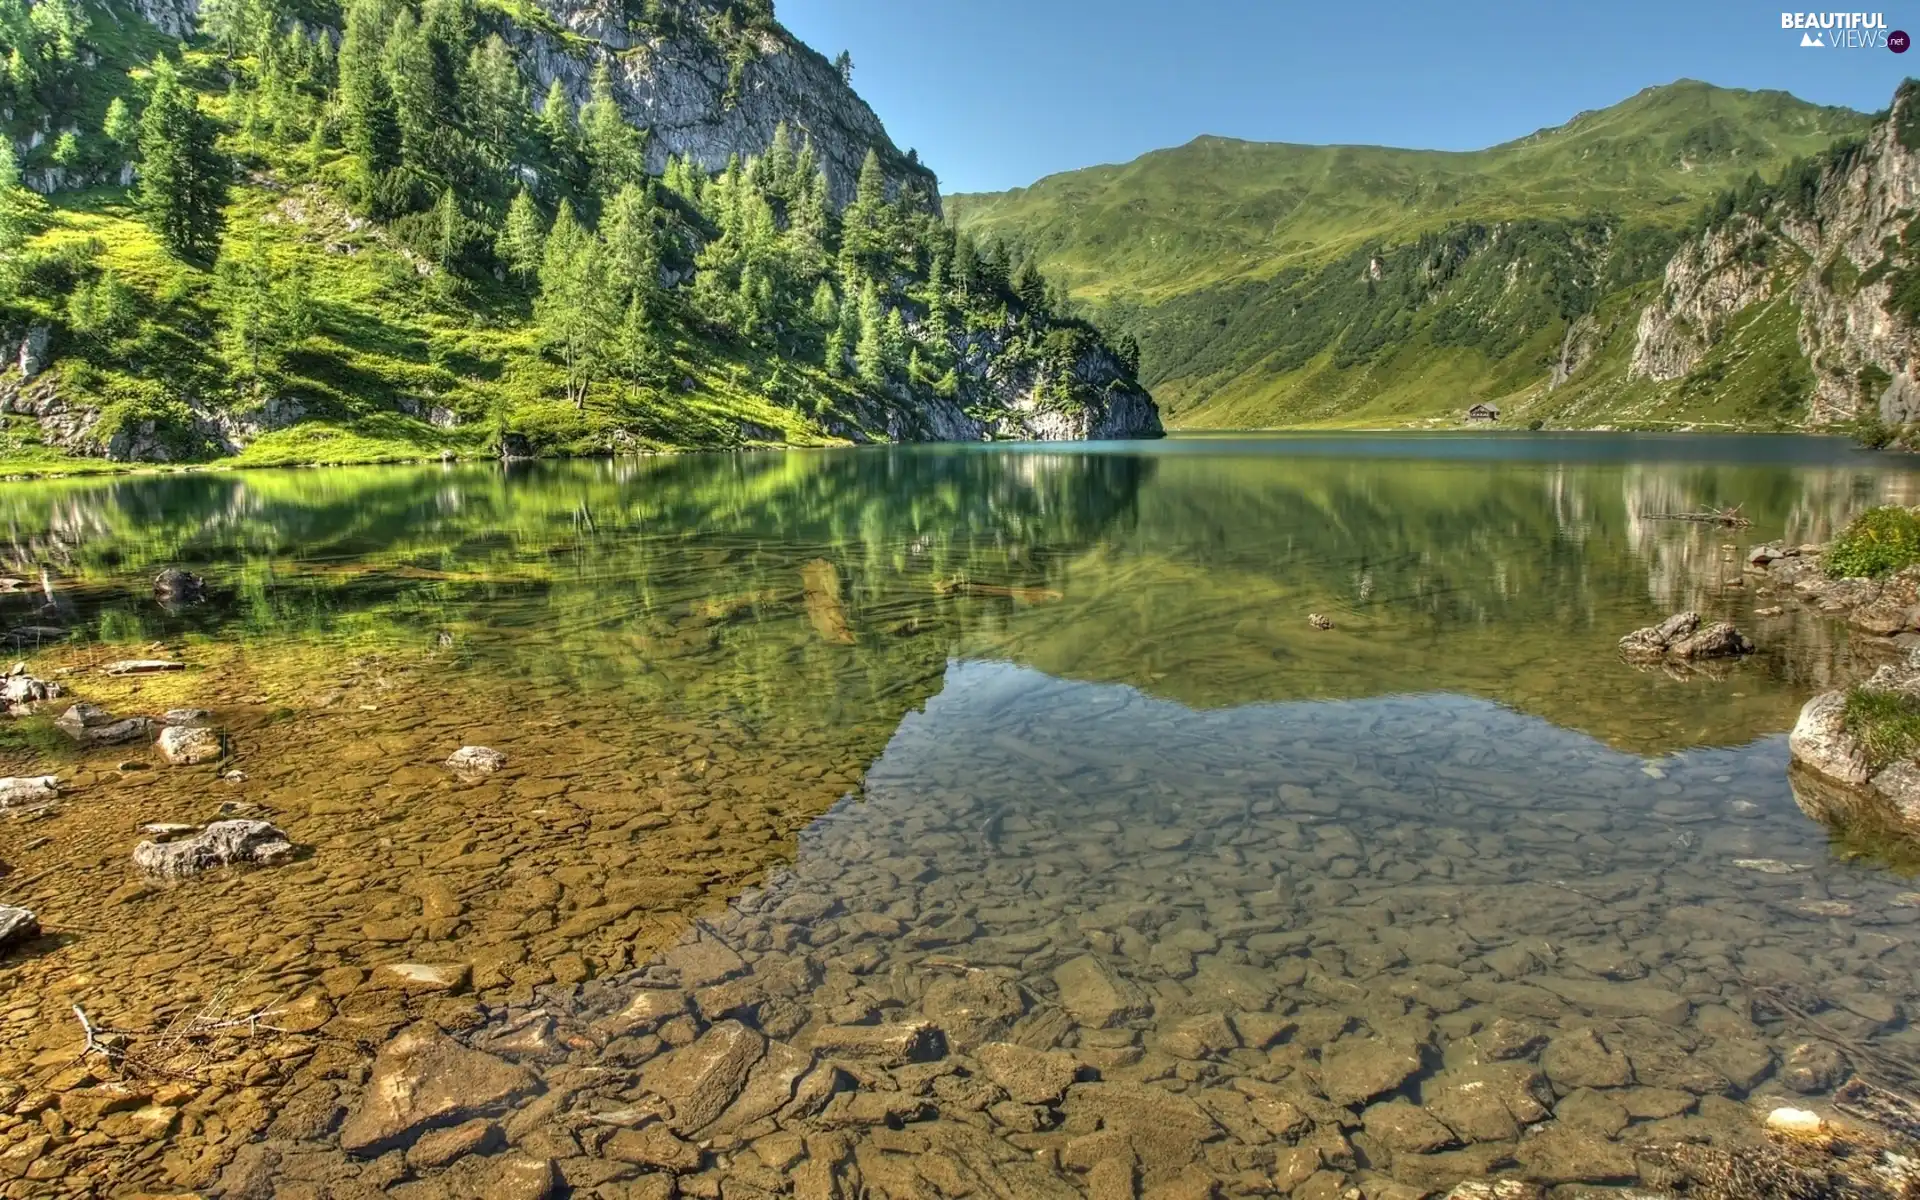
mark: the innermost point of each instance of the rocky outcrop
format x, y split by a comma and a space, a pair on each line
33, 351
1583, 340
1883, 608
1838, 252
1002, 398
175, 18
73, 425
682, 86
1708, 283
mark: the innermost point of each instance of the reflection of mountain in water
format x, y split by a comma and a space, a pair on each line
732, 583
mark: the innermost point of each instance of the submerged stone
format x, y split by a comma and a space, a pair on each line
1358, 1069
475, 761
700, 1080
423, 977
189, 745
175, 586
143, 666
1029, 1076
886, 1045
424, 1079
1096, 995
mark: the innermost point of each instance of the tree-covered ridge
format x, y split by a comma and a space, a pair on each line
396, 232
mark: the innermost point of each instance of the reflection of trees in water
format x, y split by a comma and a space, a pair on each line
1688, 564
1189, 574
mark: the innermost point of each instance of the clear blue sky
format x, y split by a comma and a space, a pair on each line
997, 93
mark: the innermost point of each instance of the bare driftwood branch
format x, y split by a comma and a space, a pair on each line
191, 1043
1728, 518
94, 1045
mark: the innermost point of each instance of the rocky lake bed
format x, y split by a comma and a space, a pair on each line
596, 863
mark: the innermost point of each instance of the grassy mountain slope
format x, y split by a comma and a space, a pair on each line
1275, 284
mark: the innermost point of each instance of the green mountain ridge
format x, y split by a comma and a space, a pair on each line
1280, 284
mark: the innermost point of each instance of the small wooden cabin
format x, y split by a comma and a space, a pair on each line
1483, 412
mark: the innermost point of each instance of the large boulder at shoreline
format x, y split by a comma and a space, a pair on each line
1833, 778
1894, 607
1821, 743
1681, 636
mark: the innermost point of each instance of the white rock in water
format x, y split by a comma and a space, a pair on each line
218, 845
423, 977
28, 790
143, 666
475, 760
1768, 866
17, 925
186, 745
1794, 1120
22, 688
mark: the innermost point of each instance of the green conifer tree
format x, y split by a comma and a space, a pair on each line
870, 352
616, 151
573, 307
183, 178
633, 251
522, 243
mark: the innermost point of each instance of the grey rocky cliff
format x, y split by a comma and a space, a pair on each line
1709, 282
1001, 399
1838, 262
677, 87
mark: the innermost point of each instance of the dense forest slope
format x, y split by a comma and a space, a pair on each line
1279, 284
295, 230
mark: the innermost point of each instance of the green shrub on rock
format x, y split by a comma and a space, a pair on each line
1887, 725
1878, 542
